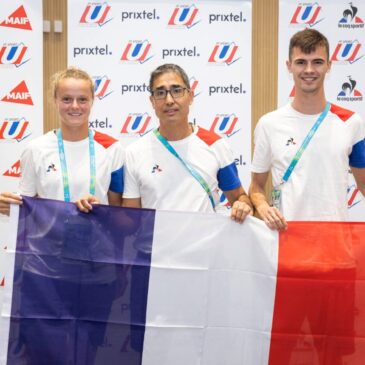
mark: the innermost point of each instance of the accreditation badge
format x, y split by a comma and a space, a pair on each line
276, 197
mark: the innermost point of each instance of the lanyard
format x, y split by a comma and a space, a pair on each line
192, 171
305, 143
61, 152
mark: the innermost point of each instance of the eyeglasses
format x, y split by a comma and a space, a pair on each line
175, 92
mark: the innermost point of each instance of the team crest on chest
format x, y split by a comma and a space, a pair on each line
156, 168
290, 141
51, 167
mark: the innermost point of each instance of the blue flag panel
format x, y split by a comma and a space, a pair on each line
79, 280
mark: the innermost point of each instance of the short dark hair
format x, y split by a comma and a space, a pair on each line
307, 41
169, 67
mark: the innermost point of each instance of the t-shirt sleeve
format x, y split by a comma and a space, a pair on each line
117, 178
261, 161
131, 185
227, 174
357, 155
28, 179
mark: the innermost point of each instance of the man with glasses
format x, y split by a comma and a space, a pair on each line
180, 166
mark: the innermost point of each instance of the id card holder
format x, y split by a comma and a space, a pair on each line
276, 197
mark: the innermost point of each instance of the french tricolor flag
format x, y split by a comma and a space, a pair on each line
133, 286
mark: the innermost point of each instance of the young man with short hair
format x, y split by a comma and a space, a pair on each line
308, 145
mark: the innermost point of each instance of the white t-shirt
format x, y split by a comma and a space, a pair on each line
317, 188
42, 175
156, 176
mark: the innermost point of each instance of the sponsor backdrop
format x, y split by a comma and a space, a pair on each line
21, 93
343, 24
119, 43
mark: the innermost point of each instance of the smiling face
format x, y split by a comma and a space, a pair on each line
171, 111
309, 70
73, 100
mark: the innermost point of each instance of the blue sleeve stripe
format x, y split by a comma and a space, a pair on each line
117, 181
228, 177
357, 156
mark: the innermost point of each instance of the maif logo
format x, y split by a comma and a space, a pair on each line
349, 91
18, 19
14, 129
19, 95
354, 196
347, 52
306, 14
350, 19
194, 86
136, 123
13, 54
225, 125
224, 53
184, 16
101, 87
13, 171
95, 14
136, 51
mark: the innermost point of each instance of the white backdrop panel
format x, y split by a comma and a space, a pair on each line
119, 43
21, 94
342, 22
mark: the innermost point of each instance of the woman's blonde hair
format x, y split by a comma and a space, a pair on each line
71, 72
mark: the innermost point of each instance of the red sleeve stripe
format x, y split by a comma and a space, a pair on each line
342, 113
105, 140
207, 136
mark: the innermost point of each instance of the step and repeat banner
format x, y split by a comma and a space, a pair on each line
21, 93
119, 43
342, 22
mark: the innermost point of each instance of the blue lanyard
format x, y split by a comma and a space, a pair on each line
305, 143
192, 171
61, 152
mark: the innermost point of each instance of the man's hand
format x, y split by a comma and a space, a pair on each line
240, 210
272, 217
6, 199
85, 204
